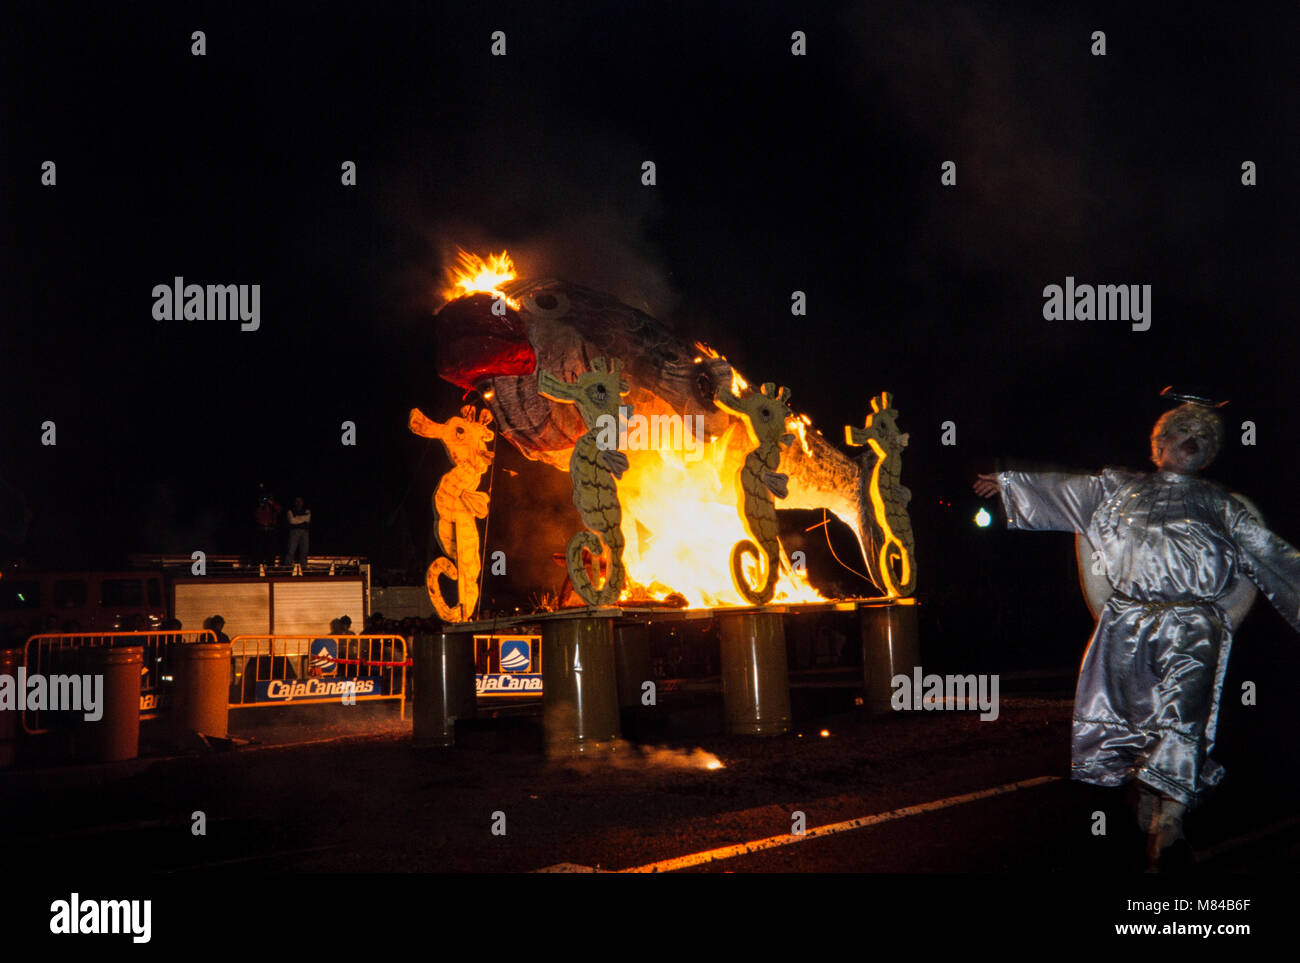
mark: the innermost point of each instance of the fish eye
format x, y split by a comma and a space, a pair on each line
548, 304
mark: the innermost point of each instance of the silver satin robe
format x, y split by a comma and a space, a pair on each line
1147, 702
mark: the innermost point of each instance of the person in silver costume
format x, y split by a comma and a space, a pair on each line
1173, 545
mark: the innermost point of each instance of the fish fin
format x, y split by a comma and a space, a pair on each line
476, 502
776, 481
615, 462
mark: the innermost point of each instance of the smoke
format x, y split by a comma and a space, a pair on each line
969, 84
564, 198
628, 756
532, 516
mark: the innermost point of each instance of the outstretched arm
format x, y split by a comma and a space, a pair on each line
1044, 501
1270, 562
986, 486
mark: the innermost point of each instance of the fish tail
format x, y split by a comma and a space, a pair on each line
581, 579
443, 566
753, 596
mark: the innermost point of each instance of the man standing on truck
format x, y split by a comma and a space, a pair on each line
266, 515
299, 526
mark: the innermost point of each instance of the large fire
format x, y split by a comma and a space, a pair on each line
681, 503
681, 518
472, 275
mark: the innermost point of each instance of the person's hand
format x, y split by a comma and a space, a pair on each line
986, 486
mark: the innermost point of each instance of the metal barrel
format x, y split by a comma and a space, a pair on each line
755, 677
115, 735
631, 662
10, 722
579, 686
443, 677
890, 648
200, 699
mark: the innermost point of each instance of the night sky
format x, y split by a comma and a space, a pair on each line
818, 173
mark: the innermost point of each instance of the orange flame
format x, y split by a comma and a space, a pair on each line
681, 519
472, 275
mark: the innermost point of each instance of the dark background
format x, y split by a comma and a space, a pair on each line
775, 173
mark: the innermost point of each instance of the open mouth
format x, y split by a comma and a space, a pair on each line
1190, 447
474, 343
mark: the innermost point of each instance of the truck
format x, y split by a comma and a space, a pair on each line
109, 601
148, 598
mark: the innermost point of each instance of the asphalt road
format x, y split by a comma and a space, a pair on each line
926, 792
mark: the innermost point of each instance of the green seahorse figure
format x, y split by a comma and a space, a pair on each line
594, 466
764, 413
883, 512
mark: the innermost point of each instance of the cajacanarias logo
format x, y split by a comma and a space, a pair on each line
318, 688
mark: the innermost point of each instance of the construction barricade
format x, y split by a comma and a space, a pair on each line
279, 670
60, 661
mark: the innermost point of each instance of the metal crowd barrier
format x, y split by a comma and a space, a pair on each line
56, 655
278, 670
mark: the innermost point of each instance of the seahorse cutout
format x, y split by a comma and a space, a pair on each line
456, 505
593, 467
764, 414
883, 499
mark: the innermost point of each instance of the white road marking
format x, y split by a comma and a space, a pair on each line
786, 839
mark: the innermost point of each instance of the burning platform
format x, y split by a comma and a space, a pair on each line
676, 464
596, 662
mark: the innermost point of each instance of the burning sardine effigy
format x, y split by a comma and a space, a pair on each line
678, 496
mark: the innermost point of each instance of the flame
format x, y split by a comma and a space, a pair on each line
738, 384
681, 519
890, 543
472, 275
799, 425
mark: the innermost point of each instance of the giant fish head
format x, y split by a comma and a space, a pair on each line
496, 345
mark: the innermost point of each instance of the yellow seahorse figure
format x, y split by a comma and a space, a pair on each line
764, 414
884, 498
456, 505
593, 467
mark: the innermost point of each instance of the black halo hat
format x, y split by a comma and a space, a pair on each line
1190, 399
